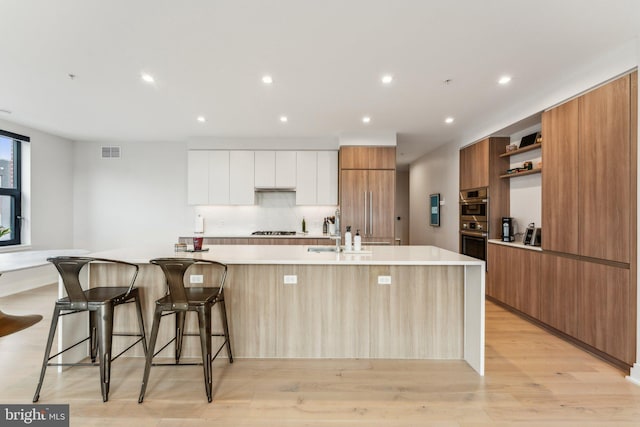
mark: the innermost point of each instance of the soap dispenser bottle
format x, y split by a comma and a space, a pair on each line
357, 241
347, 239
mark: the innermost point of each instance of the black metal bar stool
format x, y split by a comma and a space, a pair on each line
100, 303
179, 300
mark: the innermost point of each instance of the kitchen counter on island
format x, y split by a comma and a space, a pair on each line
397, 302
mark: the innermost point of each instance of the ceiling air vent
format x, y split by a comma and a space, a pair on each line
111, 152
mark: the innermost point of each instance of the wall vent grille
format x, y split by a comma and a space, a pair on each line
112, 152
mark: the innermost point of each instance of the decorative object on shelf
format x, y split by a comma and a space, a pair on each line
539, 138
511, 147
434, 204
527, 166
529, 139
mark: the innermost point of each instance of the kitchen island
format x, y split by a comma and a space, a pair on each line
396, 302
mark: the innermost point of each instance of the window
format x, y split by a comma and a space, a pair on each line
10, 189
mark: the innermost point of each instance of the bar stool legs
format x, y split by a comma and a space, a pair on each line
150, 352
45, 361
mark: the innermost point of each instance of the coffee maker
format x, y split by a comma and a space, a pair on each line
508, 229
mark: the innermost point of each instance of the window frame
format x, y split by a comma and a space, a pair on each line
15, 193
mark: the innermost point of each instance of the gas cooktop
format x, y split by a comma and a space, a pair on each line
273, 233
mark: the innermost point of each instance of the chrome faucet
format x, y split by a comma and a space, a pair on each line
338, 232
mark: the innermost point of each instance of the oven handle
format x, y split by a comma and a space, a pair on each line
474, 233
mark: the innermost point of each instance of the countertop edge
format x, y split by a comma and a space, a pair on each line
517, 245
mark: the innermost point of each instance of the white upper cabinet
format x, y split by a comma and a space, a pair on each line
286, 169
241, 178
265, 169
275, 169
307, 178
219, 177
198, 177
230, 177
317, 178
327, 178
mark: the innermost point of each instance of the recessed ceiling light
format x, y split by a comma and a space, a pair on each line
284, 119
267, 79
148, 78
202, 119
366, 119
504, 80
387, 79
448, 120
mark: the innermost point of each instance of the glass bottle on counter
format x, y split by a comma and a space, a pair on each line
325, 226
304, 225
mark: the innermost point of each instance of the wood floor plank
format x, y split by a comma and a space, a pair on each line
532, 379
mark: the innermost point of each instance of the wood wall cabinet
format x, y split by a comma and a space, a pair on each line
367, 191
560, 178
514, 277
559, 293
481, 166
474, 165
589, 172
606, 310
365, 157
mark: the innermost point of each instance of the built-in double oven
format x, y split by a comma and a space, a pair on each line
474, 213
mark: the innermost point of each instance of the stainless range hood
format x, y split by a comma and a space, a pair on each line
274, 189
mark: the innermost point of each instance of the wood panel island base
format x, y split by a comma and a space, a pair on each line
399, 302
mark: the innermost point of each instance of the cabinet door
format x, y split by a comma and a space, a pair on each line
354, 157
218, 177
265, 169
604, 172
381, 203
241, 178
559, 293
306, 179
353, 190
285, 169
327, 189
607, 310
367, 157
497, 274
474, 165
197, 177
560, 211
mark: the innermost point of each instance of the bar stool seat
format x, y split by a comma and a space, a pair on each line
100, 303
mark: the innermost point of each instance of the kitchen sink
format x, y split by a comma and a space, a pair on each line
321, 249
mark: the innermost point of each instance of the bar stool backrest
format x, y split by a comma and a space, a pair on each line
175, 269
69, 269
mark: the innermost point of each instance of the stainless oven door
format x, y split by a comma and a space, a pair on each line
474, 244
473, 211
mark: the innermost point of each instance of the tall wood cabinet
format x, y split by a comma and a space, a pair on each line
587, 288
367, 191
481, 166
587, 178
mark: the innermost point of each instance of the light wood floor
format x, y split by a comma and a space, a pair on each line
532, 379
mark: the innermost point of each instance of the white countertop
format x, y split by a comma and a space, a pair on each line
14, 261
256, 236
298, 254
516, 244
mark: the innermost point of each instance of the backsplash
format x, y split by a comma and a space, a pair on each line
272, 211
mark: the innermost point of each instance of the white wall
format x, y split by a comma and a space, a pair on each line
137, 200
51, 184
141, 199
436, 172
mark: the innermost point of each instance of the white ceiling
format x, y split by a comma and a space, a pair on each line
326, 58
